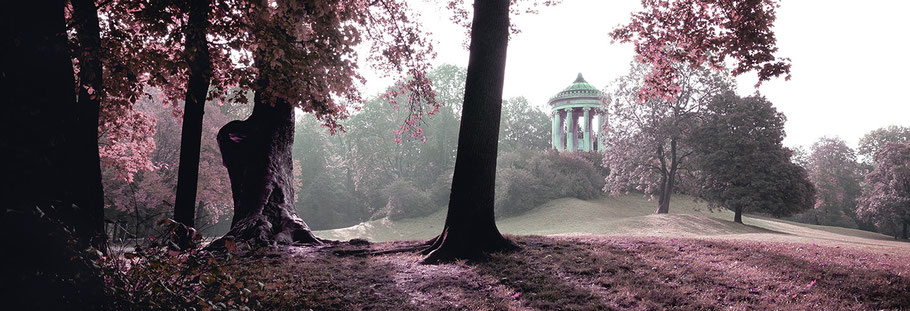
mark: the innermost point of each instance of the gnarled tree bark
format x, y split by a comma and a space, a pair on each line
470, 229
257, 154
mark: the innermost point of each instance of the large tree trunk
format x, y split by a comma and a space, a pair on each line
470, 228
39, 131
257, 154
88, 192
199, 62
47, 139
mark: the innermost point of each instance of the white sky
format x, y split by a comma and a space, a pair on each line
851, 70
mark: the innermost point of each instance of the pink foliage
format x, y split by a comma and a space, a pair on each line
699, 32
646, 139
153, 190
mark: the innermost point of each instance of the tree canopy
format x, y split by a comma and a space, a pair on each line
702, 32
833, 169
647, 141
742, 164
886, 199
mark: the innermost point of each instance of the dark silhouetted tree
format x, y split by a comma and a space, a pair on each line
88, 105
196, 53
470, 227
741, 162
50, 136
303, 57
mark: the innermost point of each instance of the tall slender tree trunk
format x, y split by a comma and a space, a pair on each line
738, 215
904, 235
197, 56
470, 228
668, 180
86, 185
663, 204
666, 192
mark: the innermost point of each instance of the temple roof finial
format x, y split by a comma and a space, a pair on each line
580, 78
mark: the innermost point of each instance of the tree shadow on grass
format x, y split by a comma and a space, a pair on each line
684, 274
555, 274
320, 281
831, 278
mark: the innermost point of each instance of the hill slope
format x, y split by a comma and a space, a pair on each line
627, 216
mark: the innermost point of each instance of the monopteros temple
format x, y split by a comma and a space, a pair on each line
573, 112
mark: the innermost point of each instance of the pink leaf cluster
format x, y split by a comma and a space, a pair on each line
702, 32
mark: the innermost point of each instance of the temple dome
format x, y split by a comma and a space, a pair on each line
579, 88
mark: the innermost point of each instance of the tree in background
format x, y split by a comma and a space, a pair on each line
647, 140
875, 140
742, 163
702, 32
833, 169
367, 163
135, 205
522, 126
886, 199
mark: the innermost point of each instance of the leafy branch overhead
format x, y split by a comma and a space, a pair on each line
699, 32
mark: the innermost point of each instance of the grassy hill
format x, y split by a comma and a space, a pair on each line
629, 215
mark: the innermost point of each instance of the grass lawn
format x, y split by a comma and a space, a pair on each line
588, 273
632, 215
605, 254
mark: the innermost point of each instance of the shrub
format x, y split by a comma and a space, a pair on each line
569, 175
517, 190
406, 201
527, 179
328, 203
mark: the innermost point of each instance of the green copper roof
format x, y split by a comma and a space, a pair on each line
579, 88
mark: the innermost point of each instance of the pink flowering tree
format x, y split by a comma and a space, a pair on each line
886, 197
149, 194
702, 32
647, 139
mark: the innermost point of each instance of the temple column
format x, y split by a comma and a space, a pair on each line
570, 130
561, 130
587, 130
601, 119
554, 134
